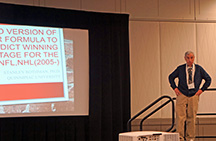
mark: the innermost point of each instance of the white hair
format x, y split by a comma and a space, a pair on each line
188, 52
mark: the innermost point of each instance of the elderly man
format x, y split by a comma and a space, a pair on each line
188, 91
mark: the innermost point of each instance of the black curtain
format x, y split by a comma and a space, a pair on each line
109, 94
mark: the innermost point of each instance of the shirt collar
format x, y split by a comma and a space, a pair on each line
193, 66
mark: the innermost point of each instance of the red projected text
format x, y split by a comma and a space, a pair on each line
31, 46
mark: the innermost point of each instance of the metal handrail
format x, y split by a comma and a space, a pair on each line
206, 114
205, 136
211, 89
164, 104
173, 118
149, 106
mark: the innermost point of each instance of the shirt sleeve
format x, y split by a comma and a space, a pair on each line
207, 79
172, 77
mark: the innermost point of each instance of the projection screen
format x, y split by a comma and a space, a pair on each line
44, 71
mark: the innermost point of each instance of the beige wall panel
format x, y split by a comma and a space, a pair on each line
176, 39
176, 9
41, 2
145, 64
207, 129
101, 5
65, 4
206, 47
207, 103
206, 9
38, 2
23, 2
118, 4
123, 6
141, 8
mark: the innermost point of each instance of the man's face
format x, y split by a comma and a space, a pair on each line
189, 59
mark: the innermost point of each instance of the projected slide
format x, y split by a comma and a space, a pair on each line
37, 70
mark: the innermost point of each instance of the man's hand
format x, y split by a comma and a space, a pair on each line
177, 91
199, 92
